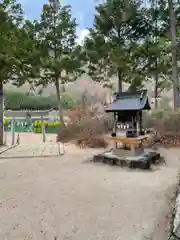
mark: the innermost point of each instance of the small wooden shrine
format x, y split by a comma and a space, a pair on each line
127, 108
128, 135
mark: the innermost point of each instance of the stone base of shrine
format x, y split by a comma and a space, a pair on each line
142, 161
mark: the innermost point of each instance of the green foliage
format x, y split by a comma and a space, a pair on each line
30, 56
18, 48
10, 18
131, 40
21, 101
155, 50
60, 55
51, 127
118, 26
38, 124
166, 123
67, 100
5, 122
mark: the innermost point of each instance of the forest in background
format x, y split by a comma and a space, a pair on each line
133, 40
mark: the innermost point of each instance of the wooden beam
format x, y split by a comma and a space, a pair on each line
134, 141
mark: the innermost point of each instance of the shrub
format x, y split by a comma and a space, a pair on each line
22, 101
86, 129
166, 125
85, 133
163, 121
150, 119
49, 126
91, 142
5, 122
108, 121
56, 124
46, 124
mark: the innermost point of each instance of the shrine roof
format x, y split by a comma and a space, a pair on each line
129, 101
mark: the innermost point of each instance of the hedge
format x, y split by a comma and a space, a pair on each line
22, 101
51, 127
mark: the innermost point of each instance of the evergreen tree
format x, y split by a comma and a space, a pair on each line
60, 55
10, 20
118, 26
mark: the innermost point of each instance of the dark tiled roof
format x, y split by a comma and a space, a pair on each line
129, 101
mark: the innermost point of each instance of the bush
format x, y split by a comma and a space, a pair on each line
91, 142
150, 119
85, 133
108, 121
49, 126
166, 124
5, 122
21, 101
86, 129
163, 121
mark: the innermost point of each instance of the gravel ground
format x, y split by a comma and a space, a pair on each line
67, 198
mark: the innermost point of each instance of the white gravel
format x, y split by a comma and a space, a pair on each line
72, 200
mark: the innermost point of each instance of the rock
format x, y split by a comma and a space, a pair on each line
176, 229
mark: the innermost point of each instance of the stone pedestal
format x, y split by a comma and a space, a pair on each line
133, 152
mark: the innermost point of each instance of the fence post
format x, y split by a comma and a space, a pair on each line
43, 129
13, 130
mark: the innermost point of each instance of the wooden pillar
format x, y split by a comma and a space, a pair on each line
43, 129
140, 123
134, 118
115, 130
13, 123
115, 122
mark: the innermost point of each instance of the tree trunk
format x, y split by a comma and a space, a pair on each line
59, 102
156, 84
174, 54
156, 93
1, 114
156, 58
119, 81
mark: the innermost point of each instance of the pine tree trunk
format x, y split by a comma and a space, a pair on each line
156, 83
119, 81
1, 114
174, 54
156, 91
57, 85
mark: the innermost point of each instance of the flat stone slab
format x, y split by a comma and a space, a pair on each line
142, 161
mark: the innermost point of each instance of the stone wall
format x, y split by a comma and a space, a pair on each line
175, 228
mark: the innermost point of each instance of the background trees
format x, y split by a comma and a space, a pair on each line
118, 26
21, 101
130, 41
10, 60
60, 55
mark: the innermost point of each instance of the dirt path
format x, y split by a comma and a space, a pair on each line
67, 198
